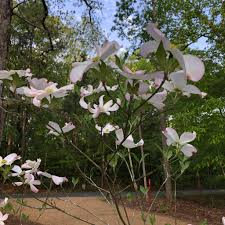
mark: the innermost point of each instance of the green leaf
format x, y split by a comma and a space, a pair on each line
168, 154
143, 190
205, 222
184, 166
151, 219
24, 217
8, 208
172, 65
113, 160
118, 62
130, 196
18, 81
161, 56
75, 181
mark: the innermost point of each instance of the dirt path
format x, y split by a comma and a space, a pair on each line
100, 212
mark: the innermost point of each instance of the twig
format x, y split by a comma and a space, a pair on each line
20, 3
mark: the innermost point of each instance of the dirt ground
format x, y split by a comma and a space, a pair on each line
195, 209
93, 209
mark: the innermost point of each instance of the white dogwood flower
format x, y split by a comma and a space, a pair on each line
7, 75
41, 88
192, 66
31, 166
30, 180
79, 68
84, 92
102, 107
56, 179
56, 130
129, 142
178, 81
9, 159
108, 128
157, 100
3, 218
181, 142
101, 88
89, 90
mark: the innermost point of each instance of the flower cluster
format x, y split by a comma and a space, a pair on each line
28, 173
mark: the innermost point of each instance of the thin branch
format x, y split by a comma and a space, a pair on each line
20, 3
43, 22
90, 8
27, 21
44, 25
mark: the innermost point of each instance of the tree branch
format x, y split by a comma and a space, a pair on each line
88, 4
20, 3
45, 7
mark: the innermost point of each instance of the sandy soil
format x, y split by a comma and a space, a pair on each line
98, 212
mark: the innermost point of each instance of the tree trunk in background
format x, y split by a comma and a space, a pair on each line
23, 132
166, 165
5, 20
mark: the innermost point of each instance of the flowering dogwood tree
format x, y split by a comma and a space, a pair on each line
121, 90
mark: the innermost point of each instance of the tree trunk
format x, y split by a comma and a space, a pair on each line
166, 165
23, 132
5, 20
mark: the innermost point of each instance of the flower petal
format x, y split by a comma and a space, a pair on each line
171, 135
68, 127
149, 47
223, 220
129, 143
109, 48
188, 150
79, 68
33, 188
16, 169
11, 158
59, 180
119, 135
158, 99
83, 104
143, 88
178, 79
5, 217
194, 67
53, 126
187, 137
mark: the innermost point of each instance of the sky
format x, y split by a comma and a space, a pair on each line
107, 16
